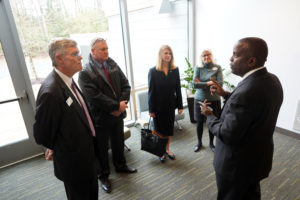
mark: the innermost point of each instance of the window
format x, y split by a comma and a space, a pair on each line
40, 21
152, 24
12, 123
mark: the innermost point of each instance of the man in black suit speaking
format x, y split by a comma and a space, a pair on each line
64, 126
244, 147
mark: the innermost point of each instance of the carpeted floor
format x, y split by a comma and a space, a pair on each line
190, 176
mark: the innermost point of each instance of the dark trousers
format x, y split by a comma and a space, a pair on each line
79, 190
113, 132
237, 189
216, 106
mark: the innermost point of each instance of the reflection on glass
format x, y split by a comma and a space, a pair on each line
12, 127
40, 21
152, 24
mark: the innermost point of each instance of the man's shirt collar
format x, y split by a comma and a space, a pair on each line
252, 71
65, 78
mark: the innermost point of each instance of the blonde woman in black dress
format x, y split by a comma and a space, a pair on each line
164, 96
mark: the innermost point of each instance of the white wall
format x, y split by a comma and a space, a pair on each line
219, 24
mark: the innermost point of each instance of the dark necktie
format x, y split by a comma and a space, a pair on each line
107, 76
83, 105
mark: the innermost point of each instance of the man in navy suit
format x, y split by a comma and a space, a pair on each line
244, 146
62, 124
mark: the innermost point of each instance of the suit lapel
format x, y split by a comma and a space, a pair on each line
85, 101
253, 76
105, 79
87, 105
97, 71
75, 104
228, 99
245, 82
101, 74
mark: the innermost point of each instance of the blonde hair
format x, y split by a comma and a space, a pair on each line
212, 57
159, 59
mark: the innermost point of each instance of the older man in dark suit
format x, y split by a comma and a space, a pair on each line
244, 132
64, 126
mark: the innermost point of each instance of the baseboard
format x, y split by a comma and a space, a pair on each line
287, 132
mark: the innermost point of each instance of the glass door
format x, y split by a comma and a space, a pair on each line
38, 22
17, 102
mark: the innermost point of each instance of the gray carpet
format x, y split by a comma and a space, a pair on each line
190, 176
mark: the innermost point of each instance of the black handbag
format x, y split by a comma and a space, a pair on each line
152, 143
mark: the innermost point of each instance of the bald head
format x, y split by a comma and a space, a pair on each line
256, 47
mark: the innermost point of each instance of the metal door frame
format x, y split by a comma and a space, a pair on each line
15, 60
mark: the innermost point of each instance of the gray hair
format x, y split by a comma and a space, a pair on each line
212, 57
96, 40
58, 46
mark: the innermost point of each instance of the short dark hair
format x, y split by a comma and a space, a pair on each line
258, 48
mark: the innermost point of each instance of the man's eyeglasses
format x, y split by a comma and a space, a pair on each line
206, 55
103, 49
75, 55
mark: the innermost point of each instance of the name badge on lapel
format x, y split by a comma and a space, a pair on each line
214, 68
69, 101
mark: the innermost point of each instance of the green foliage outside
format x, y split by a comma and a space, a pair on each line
37, 25
35, 32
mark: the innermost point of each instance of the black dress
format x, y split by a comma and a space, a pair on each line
164, 96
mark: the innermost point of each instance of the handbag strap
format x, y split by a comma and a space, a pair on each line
149, 123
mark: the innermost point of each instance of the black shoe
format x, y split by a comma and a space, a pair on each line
126, 169
197, 147
212, 147
162, 159
172, 157
105, 185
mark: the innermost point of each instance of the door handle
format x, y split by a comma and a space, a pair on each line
21, 97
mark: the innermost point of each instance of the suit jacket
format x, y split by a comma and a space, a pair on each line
102, 98
244, 145
164, 94
62, 126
